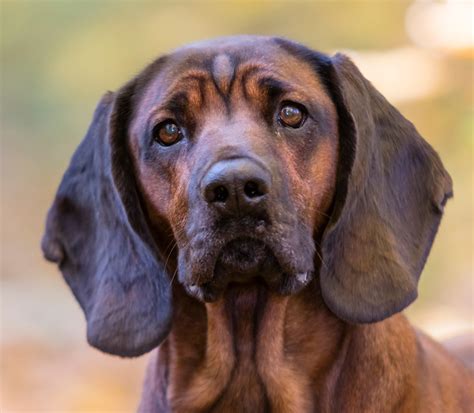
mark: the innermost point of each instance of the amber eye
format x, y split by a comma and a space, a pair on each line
291, 115
167, 133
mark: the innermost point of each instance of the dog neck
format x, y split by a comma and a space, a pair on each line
251, 349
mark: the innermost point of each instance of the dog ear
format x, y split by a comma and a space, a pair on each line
390, 195
97, 233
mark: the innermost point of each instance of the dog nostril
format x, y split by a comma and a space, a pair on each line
252, 189
220, 194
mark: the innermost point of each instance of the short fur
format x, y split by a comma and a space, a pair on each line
291, 305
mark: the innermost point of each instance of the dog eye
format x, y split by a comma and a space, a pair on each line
167, 133
292, 115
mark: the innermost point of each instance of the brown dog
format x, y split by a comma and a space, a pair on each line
263, 214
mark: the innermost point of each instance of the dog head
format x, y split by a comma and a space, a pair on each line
241, 158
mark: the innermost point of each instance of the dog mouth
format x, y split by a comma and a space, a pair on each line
275, 246
249, 260
244, 258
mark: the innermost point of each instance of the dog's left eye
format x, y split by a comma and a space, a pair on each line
167, 133
292, 115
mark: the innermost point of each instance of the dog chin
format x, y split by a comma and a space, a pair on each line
244, 258
249, 261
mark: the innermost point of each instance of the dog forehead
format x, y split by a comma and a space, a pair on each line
222, 59
228, 43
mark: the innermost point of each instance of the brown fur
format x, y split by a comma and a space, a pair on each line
290, 354
256, 351
356, 197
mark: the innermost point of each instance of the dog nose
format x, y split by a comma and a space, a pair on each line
236, 185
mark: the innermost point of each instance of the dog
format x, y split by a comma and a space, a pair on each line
261, 213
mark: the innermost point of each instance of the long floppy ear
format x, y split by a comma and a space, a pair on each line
391, 191
97, 233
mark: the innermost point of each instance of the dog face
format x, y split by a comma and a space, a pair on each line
241, 158
236, 151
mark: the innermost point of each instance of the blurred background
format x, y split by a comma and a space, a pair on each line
59, 57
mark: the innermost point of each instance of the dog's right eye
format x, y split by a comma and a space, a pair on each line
167, 133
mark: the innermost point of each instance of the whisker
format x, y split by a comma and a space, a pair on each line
322, 213
319, 255
169, 255
173, 276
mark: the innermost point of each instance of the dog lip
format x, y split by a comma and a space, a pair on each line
265, 266
227, 256
205, 292
284, 259
283, 283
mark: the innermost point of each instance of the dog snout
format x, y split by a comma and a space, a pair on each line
236, 185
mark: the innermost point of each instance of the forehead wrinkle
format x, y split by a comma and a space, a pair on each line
257, 80
223, 72
245, 74
177, 101
191, 77
288, 76
185, 90
272, 85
